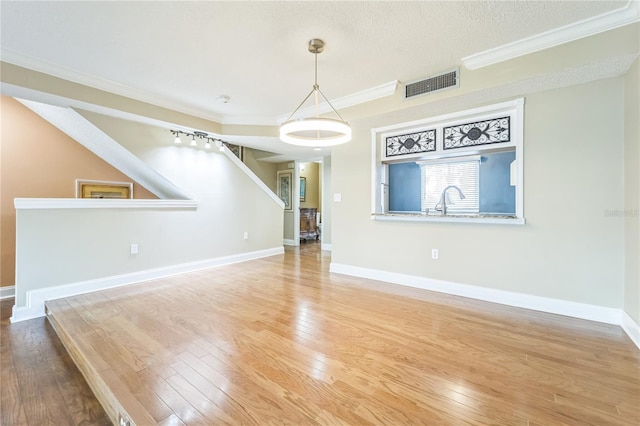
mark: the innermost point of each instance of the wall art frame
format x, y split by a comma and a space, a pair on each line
303, 189
97, 189
237, 150
285, 188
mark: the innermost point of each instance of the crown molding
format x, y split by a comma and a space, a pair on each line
577, 30
65, 73
367, 95
26, 94
75, 76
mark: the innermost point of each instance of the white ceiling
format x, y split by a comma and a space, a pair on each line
183, 55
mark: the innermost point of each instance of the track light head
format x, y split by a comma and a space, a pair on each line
177, 139
205, 137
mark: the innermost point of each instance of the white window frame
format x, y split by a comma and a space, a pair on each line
379, 163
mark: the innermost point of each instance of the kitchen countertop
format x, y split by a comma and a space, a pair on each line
453, 218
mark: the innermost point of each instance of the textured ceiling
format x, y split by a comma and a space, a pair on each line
183, 55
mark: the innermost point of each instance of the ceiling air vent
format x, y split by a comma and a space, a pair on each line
436, 83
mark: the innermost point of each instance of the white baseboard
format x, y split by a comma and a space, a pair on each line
7, 291
290, 242
326, 247
36, 298
520, 300
23, 313
631, 328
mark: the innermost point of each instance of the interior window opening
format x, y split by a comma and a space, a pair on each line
465, 166
466, 185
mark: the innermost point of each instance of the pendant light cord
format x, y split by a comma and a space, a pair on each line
316, 90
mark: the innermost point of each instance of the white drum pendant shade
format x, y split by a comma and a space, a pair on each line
316, 132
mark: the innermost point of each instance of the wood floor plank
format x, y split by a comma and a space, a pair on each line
205, 406
237, 387
39, 384
183, 409
172, 420
260, 384
280, 340
12, 411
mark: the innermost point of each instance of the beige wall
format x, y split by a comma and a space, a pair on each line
38, 160
312, 174
632, 192
2, 255
265, 170
568, 250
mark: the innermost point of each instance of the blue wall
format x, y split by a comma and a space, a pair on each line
404, 187
496, 193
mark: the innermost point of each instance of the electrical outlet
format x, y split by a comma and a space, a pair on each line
434, 253
246, 236
134, 248
337, 198
123, 420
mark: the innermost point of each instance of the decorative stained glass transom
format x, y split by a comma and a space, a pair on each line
477, 133
412, 143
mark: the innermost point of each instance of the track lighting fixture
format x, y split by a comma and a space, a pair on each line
197, 136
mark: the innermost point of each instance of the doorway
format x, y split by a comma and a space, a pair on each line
312, 179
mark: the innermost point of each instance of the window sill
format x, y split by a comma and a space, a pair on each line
416, 217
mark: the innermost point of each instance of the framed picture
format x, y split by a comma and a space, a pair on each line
103, 189
236, 149
284, 187
303, 188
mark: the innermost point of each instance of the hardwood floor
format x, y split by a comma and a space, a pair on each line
280, 340
39, 383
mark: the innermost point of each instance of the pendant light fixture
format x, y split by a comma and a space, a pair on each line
315, 131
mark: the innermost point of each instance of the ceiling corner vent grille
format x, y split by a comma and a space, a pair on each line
446, 80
